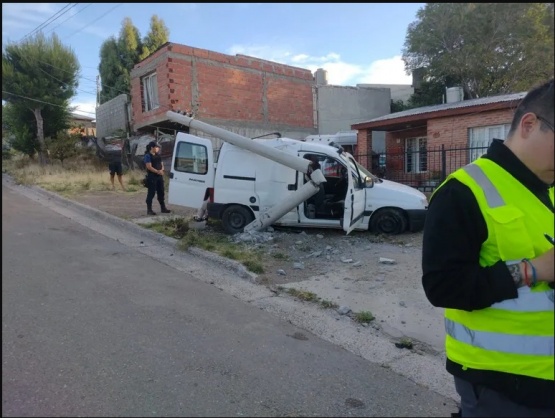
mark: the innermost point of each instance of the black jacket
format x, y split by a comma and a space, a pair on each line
452, 278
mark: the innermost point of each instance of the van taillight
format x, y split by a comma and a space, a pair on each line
211, 191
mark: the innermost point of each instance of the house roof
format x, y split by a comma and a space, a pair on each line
422, 114
81, 117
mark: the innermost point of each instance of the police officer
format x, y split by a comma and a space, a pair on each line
155, 177
486, 259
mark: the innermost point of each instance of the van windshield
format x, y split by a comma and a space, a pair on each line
367, 173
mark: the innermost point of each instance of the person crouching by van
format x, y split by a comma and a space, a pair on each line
155, 177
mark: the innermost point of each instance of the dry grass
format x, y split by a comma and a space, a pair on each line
81, 174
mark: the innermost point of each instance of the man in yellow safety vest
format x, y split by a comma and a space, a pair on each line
488, 259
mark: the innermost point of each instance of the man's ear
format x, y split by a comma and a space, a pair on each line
527, 124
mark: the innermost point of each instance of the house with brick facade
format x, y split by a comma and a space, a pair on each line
424, 145
243, 94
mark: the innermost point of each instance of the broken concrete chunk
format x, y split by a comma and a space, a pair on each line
384, 260
357, 264
298, 243
319, 236
343, 310
281, 272
298, 266
347, 260
328, 247
316, 254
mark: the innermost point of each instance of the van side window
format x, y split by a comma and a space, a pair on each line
191, 158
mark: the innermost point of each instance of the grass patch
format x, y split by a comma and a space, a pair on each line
328, 304
77, 175
280, 256
172, 227
303, 295
220, 243
364, 317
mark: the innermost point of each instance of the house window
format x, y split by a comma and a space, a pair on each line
480, 138
416, 160
150, 92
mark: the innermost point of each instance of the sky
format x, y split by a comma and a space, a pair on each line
356, 43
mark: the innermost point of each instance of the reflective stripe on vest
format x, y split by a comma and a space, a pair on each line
505, 343
493, 197
528, 301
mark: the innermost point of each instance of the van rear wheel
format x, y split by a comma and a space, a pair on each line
389, 221
235, 218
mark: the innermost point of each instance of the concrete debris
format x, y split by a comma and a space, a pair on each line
357, 264
316, 254
281, 272
347, 260
256, 237
298, 266
299, 243
384, 260
343, 310
328, 247
319, 236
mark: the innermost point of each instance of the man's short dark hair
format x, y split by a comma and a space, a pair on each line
540, 101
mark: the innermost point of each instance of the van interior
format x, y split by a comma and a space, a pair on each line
329, 202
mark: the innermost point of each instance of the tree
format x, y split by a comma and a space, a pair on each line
155, 38
119, 56
63, 146
487, 48
38, 75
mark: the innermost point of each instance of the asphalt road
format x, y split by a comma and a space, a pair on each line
94, 327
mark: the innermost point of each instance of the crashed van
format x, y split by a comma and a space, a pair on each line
255, 183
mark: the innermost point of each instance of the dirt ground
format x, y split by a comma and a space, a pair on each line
298, 253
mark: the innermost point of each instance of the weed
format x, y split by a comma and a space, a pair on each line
280, 256
254, 266
328, 304
405, 342
364, 317
303, 294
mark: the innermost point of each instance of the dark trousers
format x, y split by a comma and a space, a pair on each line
155, 187
480, 401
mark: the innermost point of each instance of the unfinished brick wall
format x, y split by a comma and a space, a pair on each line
224, 88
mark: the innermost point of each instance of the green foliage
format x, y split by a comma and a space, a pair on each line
303, 294
155, 38
63, 146
487, 48
39, 74
119, 56
398, 106
364, 317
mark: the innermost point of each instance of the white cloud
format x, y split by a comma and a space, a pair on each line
384, 71
85, 108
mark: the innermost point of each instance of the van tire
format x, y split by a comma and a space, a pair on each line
389, 221
235, 218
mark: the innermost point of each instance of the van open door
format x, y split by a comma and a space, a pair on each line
355, 200
192, 170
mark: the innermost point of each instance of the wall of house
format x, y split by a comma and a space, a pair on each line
339, 107
112, 116
241, 92
452, 132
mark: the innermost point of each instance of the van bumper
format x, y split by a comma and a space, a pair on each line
417, 217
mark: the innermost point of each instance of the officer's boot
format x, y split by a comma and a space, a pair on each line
149, 210
163, 208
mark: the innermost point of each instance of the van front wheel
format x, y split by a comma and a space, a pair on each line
235, 218
388, 221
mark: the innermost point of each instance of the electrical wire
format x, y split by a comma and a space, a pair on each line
76, 13
52, 19
97, 19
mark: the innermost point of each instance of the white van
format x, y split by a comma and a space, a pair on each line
244, 185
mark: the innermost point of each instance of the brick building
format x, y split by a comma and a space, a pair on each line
246, 95
424, 145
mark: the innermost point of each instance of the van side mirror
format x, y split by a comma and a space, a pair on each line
368, 182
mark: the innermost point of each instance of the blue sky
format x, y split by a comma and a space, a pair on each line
355, 43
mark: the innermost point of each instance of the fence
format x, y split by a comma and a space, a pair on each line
424, 169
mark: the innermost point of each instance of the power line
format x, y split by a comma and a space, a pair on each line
98, 18
76, 13
41, 101
52, 18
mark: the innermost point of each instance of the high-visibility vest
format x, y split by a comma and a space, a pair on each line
516, 335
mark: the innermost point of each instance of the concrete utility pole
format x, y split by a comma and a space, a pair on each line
98, 88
